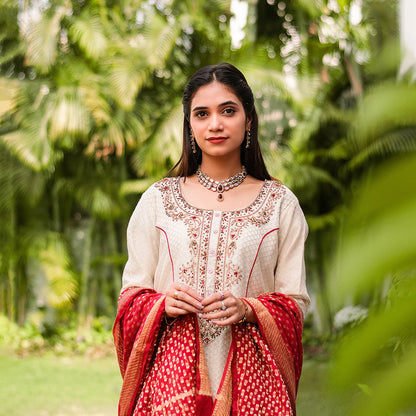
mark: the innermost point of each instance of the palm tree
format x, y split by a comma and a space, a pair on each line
99, 88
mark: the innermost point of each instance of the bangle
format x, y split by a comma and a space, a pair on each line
243, 319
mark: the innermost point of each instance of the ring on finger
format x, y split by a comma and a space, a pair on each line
223, 307
222, 296
228, 313
175, 295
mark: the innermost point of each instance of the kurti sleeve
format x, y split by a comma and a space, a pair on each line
290, 276
142, 243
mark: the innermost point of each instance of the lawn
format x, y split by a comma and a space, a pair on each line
80, 386
58, 386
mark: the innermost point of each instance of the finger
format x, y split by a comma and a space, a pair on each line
187, 299
216, 315
173, 312
225, 322
215, 297
217, 305
181, 287
189, 308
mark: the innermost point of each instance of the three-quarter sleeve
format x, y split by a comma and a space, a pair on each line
142, 244
290, 276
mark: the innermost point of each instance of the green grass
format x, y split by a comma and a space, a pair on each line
313, 398
55, 386
81, 386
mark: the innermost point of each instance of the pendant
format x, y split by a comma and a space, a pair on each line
220, 197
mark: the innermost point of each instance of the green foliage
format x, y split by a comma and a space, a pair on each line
378, 251
39, 337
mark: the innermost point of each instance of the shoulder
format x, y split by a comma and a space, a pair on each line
150, 200
156, 189
286, 196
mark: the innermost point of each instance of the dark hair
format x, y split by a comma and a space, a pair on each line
230, 76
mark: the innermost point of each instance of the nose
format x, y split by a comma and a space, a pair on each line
215, 122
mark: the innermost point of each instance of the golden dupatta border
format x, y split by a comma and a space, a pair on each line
143, 341
133, 358
279, 326
288, 354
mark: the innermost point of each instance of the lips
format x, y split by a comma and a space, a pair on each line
217, 140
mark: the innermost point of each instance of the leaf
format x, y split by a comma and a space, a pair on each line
393, 391
380, 230
88, 32
30, 147
42, 40
361, 348
68, 114
55, 263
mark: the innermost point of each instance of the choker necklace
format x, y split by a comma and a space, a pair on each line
221, 186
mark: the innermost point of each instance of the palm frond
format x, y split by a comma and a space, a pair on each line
128, 73
399, 141
88, 32
30, 147
8, 92
55, 263
67, 114
163, 147
383, 108
159, 40
42, 40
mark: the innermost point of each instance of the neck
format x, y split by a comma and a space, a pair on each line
219, 169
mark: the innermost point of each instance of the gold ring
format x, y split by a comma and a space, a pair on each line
175, 295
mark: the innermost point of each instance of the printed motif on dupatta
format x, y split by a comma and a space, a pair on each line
263, 369
163, 368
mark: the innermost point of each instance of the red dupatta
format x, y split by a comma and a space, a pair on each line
164, 370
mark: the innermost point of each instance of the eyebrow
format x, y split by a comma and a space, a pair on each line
220, 105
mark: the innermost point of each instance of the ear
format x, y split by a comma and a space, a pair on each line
248, 123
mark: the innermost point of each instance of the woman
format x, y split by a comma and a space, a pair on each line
211, 310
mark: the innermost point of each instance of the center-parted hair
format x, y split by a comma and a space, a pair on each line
231, 77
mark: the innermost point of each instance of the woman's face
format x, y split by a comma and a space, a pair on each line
218, 120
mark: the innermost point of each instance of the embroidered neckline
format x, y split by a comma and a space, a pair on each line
227, 226
252, 206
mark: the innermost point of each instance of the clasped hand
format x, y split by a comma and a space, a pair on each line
222, 308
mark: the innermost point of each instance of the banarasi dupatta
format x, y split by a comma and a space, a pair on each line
164, 370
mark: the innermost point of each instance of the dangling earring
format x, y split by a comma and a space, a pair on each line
193, 146
248, 135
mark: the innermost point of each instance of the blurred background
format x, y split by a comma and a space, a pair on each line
90, 116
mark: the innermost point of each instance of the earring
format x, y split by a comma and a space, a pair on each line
193, 145
248, 134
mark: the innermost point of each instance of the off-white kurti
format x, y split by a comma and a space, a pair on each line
251, 251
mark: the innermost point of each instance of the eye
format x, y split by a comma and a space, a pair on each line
229, 111
200, 114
